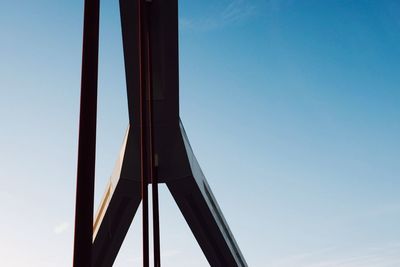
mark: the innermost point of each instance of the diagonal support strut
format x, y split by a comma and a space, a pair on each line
155, 149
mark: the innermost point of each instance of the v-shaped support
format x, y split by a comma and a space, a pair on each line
150, 42
191, 192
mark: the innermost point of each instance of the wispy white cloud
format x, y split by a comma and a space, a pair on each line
234, 12
61, 228
387, 255
277, 5
166, 254
237, 10
171, 253
379, 211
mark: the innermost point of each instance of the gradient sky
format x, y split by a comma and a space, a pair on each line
292, 109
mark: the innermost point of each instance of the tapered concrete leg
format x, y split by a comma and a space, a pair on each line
203, 215
116, 222
118, 206
191, 192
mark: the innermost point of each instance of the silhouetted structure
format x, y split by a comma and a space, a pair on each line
156, 148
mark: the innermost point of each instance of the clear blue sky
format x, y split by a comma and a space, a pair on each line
292, 108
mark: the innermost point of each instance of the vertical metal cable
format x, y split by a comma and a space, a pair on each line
152, 168
143, 131
156, 220
87, 137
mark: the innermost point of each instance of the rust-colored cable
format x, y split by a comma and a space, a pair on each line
153, 175
143, 123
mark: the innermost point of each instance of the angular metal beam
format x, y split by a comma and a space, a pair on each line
191, 192
119, 204
177, 165
203, 215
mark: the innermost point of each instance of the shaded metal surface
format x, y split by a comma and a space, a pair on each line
203, 215
87, 137
195, 200
150, 43
119, 204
